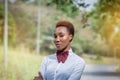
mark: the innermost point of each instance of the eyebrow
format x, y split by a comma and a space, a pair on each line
59, 33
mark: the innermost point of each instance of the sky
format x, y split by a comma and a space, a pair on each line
89, 8
90, 2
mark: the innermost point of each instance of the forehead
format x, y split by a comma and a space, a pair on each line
61, 29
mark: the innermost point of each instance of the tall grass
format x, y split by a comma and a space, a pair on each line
22, 64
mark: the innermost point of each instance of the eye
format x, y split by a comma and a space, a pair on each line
55, 36
61, 35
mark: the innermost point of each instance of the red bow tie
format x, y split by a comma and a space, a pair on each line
62, 56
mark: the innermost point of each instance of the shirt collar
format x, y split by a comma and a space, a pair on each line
70, 51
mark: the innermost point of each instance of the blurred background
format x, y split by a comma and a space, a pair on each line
26, 36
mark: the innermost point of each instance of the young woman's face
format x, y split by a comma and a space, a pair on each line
62, 38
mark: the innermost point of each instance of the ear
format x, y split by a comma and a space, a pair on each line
70, 37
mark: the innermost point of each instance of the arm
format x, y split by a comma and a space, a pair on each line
41, 73
43, 68
39, 77
77, 72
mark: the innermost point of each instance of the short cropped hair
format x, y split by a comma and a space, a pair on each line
67, 24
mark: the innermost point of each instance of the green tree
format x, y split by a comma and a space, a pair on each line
104, 19
11, 28
105, 13
66, 6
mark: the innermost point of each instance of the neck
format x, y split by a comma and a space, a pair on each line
66, 48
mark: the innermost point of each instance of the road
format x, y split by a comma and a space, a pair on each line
101, 72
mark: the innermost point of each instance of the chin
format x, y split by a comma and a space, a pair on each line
59, 49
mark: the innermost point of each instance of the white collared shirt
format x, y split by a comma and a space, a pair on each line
71, 69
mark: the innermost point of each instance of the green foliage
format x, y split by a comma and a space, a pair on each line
22, 65
11, 73
26, 24
98, 57
47, 41
66, 6
25, 0
77, 45
104, 19
11, 26
1, 22
103, 13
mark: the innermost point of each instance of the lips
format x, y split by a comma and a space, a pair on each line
58, 45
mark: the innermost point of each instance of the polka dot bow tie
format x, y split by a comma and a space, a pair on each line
62, 56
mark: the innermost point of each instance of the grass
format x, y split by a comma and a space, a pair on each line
22, 65
94, 59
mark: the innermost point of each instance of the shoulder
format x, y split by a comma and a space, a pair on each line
52, 56
78, 59
49, 58
75, 58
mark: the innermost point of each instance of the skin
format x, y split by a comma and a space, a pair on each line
39, 77
62, 38
62, 42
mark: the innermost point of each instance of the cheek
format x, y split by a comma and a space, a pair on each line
65, 39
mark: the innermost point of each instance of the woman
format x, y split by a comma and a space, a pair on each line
64, 64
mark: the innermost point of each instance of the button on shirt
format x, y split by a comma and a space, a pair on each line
71, 69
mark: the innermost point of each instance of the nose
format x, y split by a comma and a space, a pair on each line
57, 39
